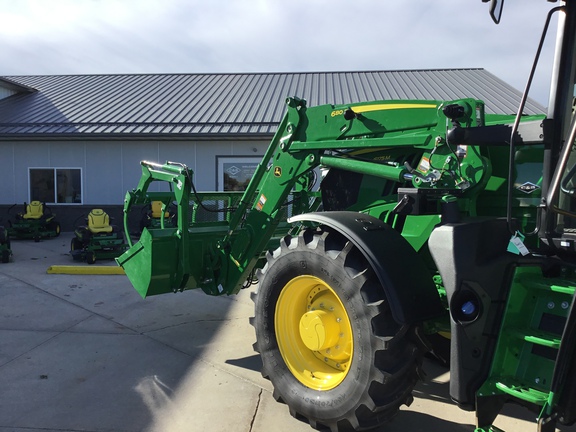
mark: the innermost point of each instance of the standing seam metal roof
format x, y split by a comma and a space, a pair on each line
214, 104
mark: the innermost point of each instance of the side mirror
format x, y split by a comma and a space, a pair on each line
496, 10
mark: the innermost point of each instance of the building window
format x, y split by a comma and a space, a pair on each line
56, 185
234, 173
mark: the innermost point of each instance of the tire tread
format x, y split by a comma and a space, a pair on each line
397, 359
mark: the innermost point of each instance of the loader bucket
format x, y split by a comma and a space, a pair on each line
151, 264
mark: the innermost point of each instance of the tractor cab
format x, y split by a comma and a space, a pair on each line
561, 233
513, 321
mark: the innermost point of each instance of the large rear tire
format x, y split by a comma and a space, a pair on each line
326, 336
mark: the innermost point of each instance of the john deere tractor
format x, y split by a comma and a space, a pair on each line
430, 217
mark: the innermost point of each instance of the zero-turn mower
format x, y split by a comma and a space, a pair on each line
97, 239
36, 222
157, 215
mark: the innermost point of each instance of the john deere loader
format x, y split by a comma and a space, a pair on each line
372, 228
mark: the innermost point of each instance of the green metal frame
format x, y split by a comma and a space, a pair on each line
529, 339
366, 138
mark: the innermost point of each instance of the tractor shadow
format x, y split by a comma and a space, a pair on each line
421, 422
432, 409
253, 363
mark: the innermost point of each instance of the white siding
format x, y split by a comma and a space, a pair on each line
102, 173
111, 168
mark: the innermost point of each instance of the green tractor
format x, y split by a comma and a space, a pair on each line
36, 222
97, 240
431, 218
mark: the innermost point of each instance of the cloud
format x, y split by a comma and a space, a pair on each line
189, 36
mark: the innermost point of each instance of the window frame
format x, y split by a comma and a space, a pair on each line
220, 160
55, 174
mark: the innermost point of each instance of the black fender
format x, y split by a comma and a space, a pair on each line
406, 280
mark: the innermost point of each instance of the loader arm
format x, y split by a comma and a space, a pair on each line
219, 256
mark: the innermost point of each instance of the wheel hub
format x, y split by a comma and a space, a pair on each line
319, 330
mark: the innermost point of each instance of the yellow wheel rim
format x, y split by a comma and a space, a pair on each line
313, 332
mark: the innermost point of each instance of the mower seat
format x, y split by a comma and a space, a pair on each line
156, 212
99, 222
34, 210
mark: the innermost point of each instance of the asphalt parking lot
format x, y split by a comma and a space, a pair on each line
87, 353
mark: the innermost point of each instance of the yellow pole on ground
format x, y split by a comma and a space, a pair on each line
85, 270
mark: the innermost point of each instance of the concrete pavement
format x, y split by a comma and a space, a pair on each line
86, 353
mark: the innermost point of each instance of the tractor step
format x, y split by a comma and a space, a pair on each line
529, 343
538, 337
527, 394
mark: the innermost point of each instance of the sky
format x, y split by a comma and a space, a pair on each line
58, 37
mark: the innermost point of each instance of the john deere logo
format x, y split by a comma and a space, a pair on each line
277, 171
528, 187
